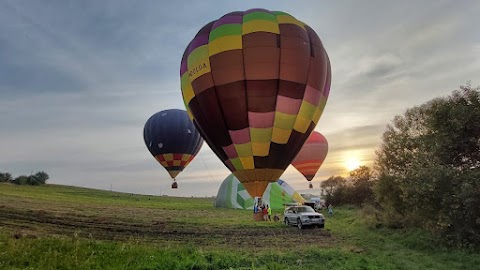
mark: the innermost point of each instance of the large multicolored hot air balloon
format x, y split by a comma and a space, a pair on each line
311, 156
255, 83
172, 139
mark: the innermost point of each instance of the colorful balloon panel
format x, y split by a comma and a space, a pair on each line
311, 156
172, 139
255, 83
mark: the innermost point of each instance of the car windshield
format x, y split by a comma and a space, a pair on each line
305, 209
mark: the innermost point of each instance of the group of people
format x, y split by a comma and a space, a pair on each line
265, 210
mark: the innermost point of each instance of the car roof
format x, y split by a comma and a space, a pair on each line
298, 206
291, 204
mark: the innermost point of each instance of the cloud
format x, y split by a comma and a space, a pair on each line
78, 80
85, 45
380, 66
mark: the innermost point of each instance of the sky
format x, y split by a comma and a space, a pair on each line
79, 79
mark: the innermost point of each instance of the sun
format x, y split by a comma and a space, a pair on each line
352, 163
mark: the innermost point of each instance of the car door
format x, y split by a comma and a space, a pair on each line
293, 215
296, 215
290, 215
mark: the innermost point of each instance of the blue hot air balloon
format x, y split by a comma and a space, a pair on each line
172, 139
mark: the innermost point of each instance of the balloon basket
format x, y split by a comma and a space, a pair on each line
258, 216
310, 185
174, 185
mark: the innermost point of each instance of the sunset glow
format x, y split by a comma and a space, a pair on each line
352, 163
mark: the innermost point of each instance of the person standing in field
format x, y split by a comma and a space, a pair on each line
330, 210
269, 211
265, 213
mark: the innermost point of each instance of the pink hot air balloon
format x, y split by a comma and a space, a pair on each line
311, 156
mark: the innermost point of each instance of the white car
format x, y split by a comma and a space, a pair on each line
302, 216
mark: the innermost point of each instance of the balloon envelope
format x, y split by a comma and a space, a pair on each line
311, 156
172, 139
255, 83
232, 194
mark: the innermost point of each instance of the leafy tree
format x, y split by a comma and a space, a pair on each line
455, 126
362, 183
32, 180
333, 188
41, 177
355, 190
362, 173
332, 183
429, 166
21, 180
5, 177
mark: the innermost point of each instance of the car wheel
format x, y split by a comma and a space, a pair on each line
299, 224
286, 222
321, 225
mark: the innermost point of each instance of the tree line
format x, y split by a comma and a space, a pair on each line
36, 179
427, 170
357, 189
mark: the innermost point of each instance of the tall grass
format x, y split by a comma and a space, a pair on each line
75, 253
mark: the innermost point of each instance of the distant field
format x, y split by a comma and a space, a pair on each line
60, 227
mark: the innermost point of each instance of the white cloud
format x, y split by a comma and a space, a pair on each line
79, 81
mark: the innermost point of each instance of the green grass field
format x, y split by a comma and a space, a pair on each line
60, 227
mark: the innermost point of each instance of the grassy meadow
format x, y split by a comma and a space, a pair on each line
61, 227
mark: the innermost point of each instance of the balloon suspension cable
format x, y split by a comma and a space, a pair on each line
206, 167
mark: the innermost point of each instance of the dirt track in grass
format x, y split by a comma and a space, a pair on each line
151, 222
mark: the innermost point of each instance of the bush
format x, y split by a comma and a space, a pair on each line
356, 190
429, 168
5, 177
39, 178
21, 180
